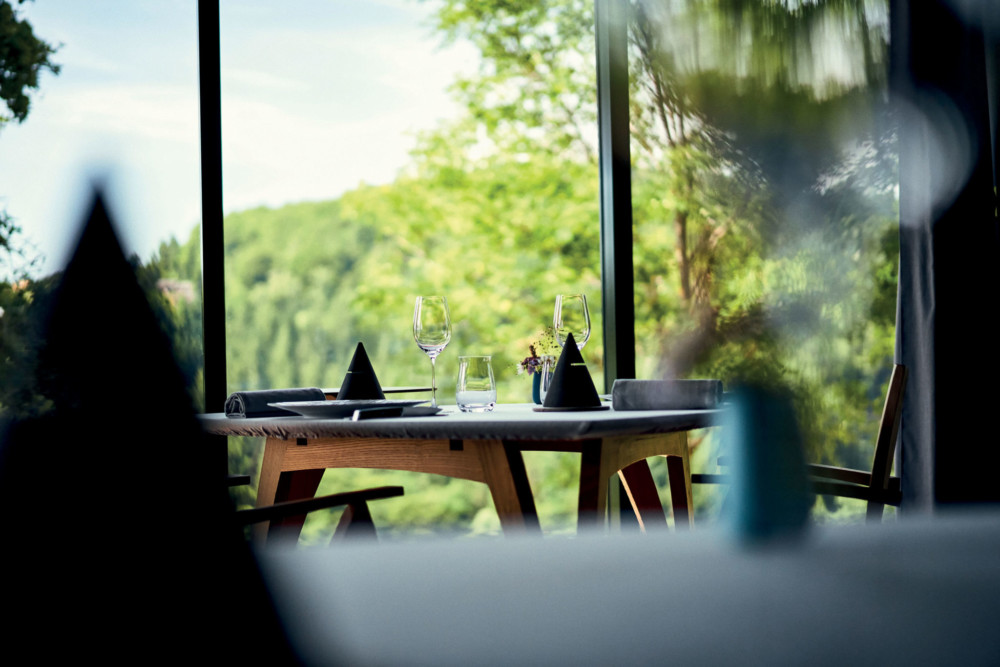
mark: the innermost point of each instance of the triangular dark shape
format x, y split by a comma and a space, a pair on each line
142, 522
103, 341
572, 386
360, 383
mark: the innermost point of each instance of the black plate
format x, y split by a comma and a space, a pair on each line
339, 409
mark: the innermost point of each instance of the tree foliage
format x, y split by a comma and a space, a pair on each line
23, 300
770, 165
499, 240
23, 56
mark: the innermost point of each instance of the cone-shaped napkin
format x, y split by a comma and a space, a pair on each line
572, 386
360, 382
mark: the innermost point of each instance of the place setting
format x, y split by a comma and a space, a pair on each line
567, 387
565, 383
360, 397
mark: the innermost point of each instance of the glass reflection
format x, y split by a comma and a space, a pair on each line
765, 203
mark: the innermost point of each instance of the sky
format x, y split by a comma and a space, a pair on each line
318, 96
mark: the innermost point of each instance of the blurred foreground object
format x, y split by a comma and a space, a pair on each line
921, 592
136, 551
769, 494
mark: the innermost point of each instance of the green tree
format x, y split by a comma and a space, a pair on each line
23, 56
535, 85
781, 218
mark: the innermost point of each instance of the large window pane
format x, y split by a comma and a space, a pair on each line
764, 198
376, 151
122, 113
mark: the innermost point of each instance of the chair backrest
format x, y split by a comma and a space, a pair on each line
885, 445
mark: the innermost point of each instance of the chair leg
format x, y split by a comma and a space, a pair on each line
874, 512
355, 523
639, 491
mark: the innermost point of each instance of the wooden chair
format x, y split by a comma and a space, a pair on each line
286, 517
878, 487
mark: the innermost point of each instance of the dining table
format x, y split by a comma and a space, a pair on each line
486, 447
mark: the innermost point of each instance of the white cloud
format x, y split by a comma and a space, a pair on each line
146, 110
317, 97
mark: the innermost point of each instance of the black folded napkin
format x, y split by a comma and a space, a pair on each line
572, 386
666, 394
360, 383
255, 403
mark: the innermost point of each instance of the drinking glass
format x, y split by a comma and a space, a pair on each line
477, 390
432, 331
571, 316
547, 371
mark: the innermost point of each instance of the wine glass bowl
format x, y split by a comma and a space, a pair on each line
571, 316
432, 331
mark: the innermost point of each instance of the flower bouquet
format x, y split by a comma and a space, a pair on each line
544, 349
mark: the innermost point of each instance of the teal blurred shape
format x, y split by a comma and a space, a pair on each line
769, 496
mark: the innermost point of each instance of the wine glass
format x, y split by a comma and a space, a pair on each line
571, 317
432, 331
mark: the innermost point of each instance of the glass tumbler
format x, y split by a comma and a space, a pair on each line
547, 371
477, 390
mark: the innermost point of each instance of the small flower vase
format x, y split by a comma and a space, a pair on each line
536, 387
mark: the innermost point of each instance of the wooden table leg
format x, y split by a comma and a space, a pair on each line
270, 471
507, 479
595, 471
275, 486
294, 485
267, 482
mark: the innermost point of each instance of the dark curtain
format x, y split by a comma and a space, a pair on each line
944, 80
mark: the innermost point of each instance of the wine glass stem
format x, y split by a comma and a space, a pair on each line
434, 400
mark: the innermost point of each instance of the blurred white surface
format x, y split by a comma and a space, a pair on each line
917, 592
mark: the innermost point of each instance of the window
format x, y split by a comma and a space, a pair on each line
356, 178
122, 114
762, 251
765, 205
375, 151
